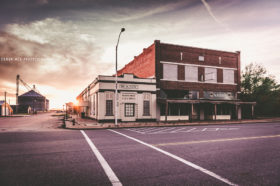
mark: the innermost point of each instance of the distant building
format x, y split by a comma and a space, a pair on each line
5, 109
137, 99
33, 100
192, 83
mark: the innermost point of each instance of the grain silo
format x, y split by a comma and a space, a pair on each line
33, 101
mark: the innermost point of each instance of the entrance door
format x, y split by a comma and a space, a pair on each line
129, 112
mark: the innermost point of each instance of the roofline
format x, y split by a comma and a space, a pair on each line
96, 80
216, 50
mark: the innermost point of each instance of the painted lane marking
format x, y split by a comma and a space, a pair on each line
164, 130
109, 172
136, 131
157, 129
179, 130
216, 140
178, 158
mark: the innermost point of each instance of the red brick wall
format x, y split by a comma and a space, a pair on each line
220, 75
200, 73
142, 66
181, 72
177, 85
172, 53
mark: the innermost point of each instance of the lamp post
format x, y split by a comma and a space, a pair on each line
116, 80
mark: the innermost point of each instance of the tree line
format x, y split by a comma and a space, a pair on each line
257, 85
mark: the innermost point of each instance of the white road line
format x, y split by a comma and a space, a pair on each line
179, 159
190, 130
147, 129
178, 129
156, 129
164, 130
136, 131
109, 172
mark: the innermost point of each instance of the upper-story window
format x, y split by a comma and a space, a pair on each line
170, 72
191, 73
210, 75
200, 58
228, 76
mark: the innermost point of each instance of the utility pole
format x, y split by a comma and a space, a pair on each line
17, 80
5, 107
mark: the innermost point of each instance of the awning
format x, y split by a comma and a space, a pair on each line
199, 101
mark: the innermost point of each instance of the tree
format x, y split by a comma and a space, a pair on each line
257, 85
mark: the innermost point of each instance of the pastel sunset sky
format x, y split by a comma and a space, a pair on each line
73, 41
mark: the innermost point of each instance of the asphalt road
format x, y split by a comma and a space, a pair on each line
245, 154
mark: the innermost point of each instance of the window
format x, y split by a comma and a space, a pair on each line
93, 104
211, 75
129, 110
228, 76
170, 72
220, 60
191, 73
200, 58
109, 107
146, 108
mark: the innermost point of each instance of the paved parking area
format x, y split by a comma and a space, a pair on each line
205, 155
167, 130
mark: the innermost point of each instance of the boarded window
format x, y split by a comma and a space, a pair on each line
146, 109
129, 110
109, 107
170, 72
228, 76
191, 73
210, 75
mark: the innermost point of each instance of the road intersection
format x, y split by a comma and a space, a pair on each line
239, 154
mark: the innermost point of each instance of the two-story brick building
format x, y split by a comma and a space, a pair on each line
192, 83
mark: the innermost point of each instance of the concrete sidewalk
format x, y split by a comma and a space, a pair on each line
82, 123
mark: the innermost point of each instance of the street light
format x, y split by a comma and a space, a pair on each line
116, 80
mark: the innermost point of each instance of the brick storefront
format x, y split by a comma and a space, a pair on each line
203, 82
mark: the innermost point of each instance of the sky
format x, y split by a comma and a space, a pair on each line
62, 45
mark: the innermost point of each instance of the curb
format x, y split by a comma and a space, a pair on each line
82, 126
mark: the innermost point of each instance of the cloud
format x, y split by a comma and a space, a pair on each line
129, 15
68, 58
209, 10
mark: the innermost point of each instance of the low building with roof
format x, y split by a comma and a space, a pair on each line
136, 99
33, 100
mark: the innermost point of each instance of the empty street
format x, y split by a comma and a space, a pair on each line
33, 153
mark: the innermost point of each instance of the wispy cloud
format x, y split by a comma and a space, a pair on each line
150, 11
209, 10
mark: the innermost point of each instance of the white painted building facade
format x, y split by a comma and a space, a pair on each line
136, 98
